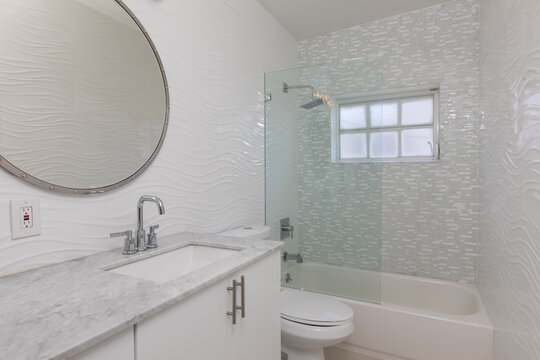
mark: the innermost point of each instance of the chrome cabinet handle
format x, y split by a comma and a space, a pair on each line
242, 307
242, 285
234, 307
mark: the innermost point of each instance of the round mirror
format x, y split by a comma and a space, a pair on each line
83, 96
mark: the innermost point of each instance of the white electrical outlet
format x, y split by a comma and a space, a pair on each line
25, 218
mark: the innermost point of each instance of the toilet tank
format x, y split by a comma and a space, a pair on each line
249, 232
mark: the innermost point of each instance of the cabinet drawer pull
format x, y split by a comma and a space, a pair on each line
242, 285
233, 312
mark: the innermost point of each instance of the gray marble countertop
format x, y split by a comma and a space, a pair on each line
57, 311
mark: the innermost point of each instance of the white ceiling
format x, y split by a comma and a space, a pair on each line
309, 18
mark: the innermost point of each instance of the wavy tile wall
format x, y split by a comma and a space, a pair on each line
509, 266
210, 171
423, 216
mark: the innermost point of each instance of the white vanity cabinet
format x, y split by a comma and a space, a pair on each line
199, 328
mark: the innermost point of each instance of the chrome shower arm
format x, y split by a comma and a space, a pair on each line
286, 87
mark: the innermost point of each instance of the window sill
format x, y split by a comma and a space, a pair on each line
378, 161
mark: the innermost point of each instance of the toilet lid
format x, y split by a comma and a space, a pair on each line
313, 309
249, 232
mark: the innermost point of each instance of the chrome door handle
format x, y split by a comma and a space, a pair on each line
234, 307
242, 285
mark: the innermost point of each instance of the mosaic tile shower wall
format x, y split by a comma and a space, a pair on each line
339, 205
424, 215
509, 265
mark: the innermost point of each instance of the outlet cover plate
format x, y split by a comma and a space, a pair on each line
18, 229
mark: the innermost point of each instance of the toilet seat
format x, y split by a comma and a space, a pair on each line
314, 323
305, 335
313, 309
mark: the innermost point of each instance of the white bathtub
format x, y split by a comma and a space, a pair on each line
417, 318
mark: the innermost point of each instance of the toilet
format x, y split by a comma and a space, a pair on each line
309, 321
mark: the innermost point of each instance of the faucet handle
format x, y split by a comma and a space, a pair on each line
127, 233
129, 242
288, 228
152, 237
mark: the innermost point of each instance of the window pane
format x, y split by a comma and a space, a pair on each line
384, 114
353, 146
417, 142
415, 112
383, 144
352, 117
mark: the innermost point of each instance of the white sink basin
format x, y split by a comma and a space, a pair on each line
173, 264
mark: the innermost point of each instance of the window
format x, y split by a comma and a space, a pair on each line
399, 126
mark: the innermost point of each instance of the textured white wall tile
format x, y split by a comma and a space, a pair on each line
423, 215
509, 270
210, 171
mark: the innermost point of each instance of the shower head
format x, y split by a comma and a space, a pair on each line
312, 104
315, 100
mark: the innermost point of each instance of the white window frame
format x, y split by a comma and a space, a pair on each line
382, 96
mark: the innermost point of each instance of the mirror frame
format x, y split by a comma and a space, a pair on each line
93, 191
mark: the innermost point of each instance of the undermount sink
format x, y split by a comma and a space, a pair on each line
173, 264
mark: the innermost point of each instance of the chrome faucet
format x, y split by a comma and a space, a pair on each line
141, 234
286, 256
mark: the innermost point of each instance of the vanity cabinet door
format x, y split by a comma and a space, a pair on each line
196, 328
118, 347
199, 328
258, 335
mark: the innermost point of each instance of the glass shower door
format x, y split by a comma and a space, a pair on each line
323, 192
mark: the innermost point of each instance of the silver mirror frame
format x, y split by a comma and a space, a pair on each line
94, 191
